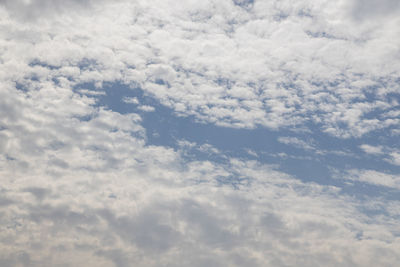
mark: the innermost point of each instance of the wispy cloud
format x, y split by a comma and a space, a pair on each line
294, 141
375, 150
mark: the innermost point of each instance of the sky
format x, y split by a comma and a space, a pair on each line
199, 133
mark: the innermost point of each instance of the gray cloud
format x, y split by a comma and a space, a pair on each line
118, 257
371, 9
39, 192
28, 10
16, 259
146, 230
6, 201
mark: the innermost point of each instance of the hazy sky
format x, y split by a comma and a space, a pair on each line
199, 133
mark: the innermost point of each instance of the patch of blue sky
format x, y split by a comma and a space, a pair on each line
243, 3
37, 62
324, 162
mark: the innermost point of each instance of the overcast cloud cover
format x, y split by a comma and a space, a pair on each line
199, 133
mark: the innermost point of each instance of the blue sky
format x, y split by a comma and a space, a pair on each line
308, 156
199, 133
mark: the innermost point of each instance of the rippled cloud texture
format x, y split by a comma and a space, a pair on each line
199, 133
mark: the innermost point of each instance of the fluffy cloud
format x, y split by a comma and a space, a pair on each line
268, 64
376, 178
390, 154
119, 202
81, 186
375, 150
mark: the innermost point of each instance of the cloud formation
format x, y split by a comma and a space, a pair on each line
273, 65
82, 186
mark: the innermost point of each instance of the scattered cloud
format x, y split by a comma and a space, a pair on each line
375, 150
296, 142
395, 158
390, 154
82, 186
332, 74
146, 108
376, 178
131, 100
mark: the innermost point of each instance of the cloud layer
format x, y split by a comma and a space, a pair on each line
82, 186
271, 65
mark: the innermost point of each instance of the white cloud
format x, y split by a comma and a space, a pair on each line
131, 100
252, 153
80, 186
31, 10
395, 158
96, 195
294, 141
375, 150
146, 108
274, 65
390, 154
376, 178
